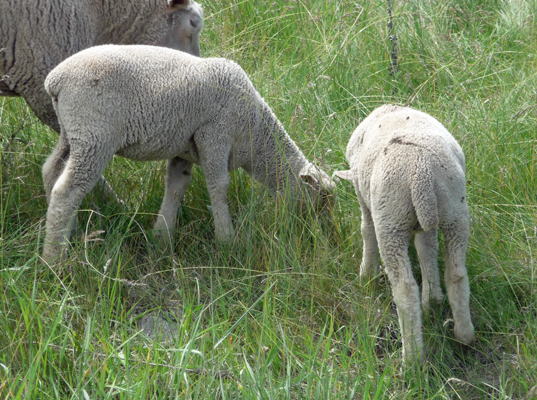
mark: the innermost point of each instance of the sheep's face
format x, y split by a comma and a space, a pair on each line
320, 188
185, 19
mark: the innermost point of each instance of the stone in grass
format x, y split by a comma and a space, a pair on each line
158, 329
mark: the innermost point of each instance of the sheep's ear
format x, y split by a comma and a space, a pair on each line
347, 175
175, 5
309, 180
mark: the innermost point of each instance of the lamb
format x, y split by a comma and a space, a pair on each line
409, 175
147, 103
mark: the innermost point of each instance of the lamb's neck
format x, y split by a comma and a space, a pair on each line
283, 159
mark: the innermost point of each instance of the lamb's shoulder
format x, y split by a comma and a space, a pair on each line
226, 73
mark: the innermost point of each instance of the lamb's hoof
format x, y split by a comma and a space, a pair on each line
54, 253
370, 280
160, 245
225, 238
162, 239
369, 270
415, 358
465, 336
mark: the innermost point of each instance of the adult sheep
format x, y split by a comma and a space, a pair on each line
408, 173
36, 35
146, 103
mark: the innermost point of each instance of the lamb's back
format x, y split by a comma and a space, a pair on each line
151, 77
396, 148
146, 92
392, 132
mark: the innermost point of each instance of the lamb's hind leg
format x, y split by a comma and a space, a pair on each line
456, 277
178, 177
78, 177
394, 253
427, 248
54, 166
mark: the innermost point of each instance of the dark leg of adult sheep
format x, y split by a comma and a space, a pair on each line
393, 245
80, 174
178, 177
53, 168
54, 165
214, 160
427, 247
456, 277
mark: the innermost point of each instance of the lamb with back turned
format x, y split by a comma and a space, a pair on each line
409, 175
146, 103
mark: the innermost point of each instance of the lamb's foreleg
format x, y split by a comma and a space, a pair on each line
178, 177
214, 153
427, 248
370, 266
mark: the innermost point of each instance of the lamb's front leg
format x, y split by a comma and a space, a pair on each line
217, 185
370, 266
178, 177
214, 154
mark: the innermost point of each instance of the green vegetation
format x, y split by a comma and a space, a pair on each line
281, 313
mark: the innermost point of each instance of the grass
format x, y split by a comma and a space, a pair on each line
281, 313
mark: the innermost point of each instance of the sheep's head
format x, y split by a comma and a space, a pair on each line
185, 18
320, 188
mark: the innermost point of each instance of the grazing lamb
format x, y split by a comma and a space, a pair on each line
147, 103
408, 173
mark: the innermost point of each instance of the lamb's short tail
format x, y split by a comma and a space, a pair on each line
423, 194
53, 85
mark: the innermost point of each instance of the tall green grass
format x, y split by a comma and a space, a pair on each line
281, 312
